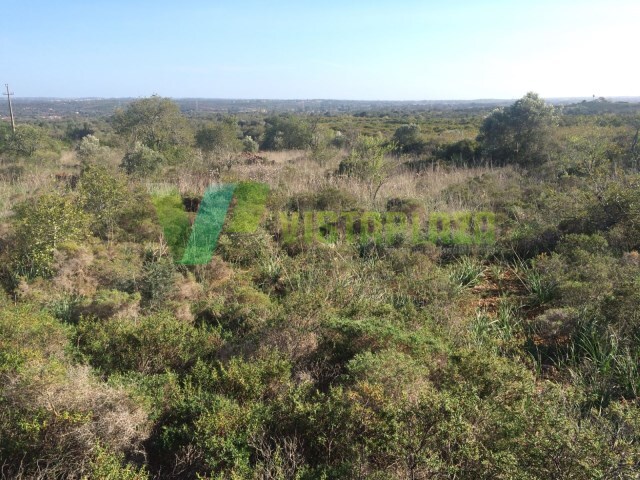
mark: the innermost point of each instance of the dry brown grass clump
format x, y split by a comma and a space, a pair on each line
83, 416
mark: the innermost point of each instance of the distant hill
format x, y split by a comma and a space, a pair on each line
58, 108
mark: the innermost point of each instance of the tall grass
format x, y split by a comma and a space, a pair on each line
500, 332
604, 364
540, 288
466, 272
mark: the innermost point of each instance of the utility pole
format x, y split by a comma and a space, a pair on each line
13, 121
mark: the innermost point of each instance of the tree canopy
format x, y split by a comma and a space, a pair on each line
156, 122
221, 137
287, 132
519, 133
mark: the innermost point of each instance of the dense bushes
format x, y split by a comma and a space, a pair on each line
323, 360
56, 420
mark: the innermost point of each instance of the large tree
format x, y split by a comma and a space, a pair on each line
519, 133
221, 137
287, 132
155, 122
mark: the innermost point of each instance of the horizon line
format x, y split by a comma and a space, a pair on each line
257, 99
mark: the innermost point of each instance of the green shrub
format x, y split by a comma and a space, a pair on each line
53, 415
41, 227
326, 199
142, 160
241, 310
108, 465
148, 345
157, 280
137, 221
103, 194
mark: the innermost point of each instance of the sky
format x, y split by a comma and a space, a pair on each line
329, 49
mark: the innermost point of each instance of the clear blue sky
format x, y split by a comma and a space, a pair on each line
361, 49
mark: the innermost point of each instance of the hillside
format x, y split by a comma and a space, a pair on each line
320, 289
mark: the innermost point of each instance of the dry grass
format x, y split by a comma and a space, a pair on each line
295, 172
292, 172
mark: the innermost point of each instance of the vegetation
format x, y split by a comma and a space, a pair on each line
155, 324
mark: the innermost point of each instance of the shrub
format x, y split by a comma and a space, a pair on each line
157, 280
409, 206
463, 152
89, 149
326, 199
40, 228
53, 415
150, 344
142, 160
241, 310
287, 132
408, 139
102, 194
137, 221
249, 145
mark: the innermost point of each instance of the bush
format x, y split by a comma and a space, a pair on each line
142, 160
326, 199
53, 415
286, 133
102, 194
41, 227
157, 280
249, 145
89, 149
151, 344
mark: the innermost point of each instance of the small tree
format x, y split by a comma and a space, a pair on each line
287, 132
89, 149
367, 162
142, 160
408, 138
519, 133
27, 140
155, 122
103, 194
40, 227
249, 145
219, 138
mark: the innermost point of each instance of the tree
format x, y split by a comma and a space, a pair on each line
103, 194
287, 132
367, 162
408, 138
520, 133
219, 138
141, 160
40, 227
155, 122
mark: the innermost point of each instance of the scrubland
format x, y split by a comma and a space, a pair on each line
365, 359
